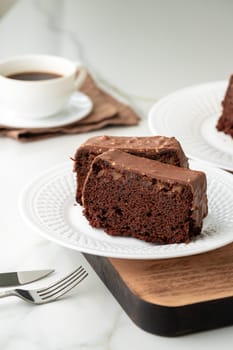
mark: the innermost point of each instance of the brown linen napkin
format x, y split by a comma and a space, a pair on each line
106, 111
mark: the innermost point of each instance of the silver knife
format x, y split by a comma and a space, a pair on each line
8, 279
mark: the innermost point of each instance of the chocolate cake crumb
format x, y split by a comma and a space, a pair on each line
133, 196
225, 122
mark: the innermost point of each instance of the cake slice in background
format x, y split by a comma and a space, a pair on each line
164, 149
138, 197
225, 122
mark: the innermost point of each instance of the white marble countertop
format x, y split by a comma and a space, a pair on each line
140, 50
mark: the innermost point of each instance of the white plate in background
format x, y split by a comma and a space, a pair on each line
191, 116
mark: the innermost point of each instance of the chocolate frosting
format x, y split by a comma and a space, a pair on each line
153, 144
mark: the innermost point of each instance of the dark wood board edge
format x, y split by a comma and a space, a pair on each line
163, 320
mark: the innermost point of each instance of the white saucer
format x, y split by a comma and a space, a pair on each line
78, 107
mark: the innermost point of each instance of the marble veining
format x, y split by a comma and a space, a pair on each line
55, 26
89, 318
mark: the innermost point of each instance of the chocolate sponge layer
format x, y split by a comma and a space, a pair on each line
133, 196
225, 122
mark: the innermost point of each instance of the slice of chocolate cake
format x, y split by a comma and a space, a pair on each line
133, 196
225, 122
163, 149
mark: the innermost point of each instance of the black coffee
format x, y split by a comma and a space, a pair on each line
34, 76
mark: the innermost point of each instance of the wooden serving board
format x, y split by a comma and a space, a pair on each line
173, 296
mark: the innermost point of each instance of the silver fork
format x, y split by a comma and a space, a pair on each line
54, 291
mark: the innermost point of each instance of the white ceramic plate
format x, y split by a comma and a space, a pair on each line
191, 115
48, 206
78, 107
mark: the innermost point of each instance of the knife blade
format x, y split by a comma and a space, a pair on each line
8, 279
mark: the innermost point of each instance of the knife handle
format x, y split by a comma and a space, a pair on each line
7, 293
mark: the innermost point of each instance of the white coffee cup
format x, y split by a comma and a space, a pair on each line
39, 98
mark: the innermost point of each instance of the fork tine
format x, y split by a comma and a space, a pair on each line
56, 284
61, 291
62, 284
